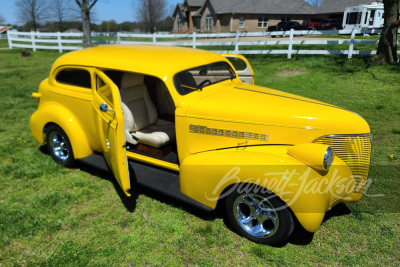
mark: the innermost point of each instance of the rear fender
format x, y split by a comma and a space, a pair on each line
59, 115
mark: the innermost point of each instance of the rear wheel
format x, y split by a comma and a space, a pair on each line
259, 216
59, 146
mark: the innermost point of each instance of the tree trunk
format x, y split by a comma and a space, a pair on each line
387, 47
87, 37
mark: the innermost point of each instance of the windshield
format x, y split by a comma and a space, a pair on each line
197, 78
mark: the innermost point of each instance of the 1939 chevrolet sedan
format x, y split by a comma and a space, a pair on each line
191, 124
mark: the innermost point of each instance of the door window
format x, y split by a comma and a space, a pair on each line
104, 90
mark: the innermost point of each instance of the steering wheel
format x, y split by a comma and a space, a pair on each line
203, 83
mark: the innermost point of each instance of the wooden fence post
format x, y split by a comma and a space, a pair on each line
237, 43
118, 38
9, 39
351, 47
33, 41
154, 38
59, 39
194, 40
290, 48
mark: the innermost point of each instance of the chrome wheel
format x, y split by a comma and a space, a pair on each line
59, 146
259, 215
256, 215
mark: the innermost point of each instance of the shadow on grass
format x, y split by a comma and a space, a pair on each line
302, 237
129, 202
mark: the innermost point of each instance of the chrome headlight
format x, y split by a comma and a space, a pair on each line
328, 158
317, 156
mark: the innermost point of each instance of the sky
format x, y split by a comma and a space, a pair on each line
119, 10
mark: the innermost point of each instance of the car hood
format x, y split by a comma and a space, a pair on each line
280, 117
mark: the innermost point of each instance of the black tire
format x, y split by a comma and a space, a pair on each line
246, 209
59, 146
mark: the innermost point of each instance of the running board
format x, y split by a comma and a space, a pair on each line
159, 180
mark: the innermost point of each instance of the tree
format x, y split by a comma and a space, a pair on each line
387, 47
150, 12
166, 25
31, 11
86, 6
60, 11
109, 26
2, 20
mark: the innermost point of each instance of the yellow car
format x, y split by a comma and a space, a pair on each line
191, 124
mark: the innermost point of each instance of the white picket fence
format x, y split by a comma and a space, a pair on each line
73, 41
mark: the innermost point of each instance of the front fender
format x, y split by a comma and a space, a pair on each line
205, 177
57, 114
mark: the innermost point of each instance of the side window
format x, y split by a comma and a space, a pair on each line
238, 63
75, 77
104, 90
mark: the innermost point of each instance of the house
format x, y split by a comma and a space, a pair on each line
4, 29
207, 16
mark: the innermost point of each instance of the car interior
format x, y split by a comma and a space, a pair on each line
149, 115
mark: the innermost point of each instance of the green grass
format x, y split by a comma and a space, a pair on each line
53, 216
3, 43
347, 36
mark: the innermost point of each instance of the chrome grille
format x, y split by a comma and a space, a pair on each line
355, 151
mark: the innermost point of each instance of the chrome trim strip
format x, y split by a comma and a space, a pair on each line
343, 135
200, 129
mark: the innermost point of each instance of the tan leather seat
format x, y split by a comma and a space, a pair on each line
142, 124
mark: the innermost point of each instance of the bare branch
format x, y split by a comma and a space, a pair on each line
150, 12
79, 3
94, 2
31, 11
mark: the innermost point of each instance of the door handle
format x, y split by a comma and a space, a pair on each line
104, 108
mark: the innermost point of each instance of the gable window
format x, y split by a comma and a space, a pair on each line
262, 22
198, 24
241, 22
74, 77
180, 24
208, 23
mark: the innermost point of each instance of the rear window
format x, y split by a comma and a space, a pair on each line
75, 77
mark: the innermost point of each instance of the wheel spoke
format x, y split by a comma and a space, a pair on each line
255, 201
248, 201
248, 221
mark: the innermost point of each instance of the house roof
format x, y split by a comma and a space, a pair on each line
275, 6
4, 28
263, 6
180, 8
195, 3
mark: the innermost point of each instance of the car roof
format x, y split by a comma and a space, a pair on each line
155, 60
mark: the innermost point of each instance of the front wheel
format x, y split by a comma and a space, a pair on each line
261, 217
59, 146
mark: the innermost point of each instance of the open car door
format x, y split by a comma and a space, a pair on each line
242, 67
107, 105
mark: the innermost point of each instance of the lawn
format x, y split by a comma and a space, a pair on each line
53, 216
3, 43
